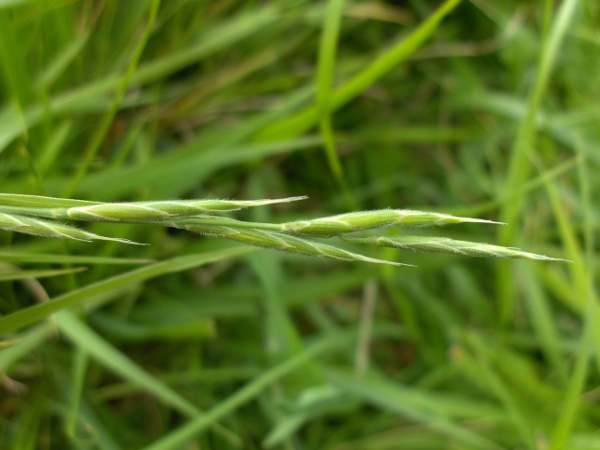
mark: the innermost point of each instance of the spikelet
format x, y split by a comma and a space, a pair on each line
283, 242
365, 220
160, 210
447, 245
38, 227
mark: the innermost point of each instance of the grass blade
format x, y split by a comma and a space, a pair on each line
308, 118
27, 316
180, 436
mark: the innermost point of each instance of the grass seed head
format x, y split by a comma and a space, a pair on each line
365, 220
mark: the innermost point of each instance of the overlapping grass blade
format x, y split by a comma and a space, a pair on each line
32, 314
215, 79
409, 402
117, 362
252, 389
524, 143
15, 122
309, 117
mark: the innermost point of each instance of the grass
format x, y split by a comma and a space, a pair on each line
457, 113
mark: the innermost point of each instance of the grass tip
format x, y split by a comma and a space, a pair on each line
385, 261
290, 199
123, 241
473, 220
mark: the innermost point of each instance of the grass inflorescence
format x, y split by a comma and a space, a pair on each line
112, 111
199, 216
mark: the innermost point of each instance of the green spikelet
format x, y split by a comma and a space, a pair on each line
447, 245
150, 211
38, 227
365, 220
283, 242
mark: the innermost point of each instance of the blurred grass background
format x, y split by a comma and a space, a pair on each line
479, 108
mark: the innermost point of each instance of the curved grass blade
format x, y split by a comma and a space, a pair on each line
447, 245
307, 118
114, 360
32, 314
250, 390
416, 405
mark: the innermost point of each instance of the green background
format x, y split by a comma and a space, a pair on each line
484, 109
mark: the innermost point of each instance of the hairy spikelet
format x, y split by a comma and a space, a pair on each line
158, 210
38, 227
365, 220
283, 242
446, 245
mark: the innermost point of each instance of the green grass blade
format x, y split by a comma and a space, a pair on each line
180, 436
86, 339
407, 402
13, 123
17, 274
111, 358
24, 345
544, 321
308, 118
41, 258
484, 354
99, 136
523, 145
325, 79
26, 316
585, 295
